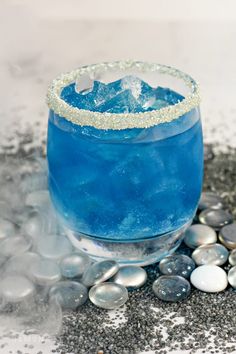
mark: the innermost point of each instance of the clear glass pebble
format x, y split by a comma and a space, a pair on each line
227, 236
16, 288
209, 278
21, 264
171, 288
197, 235
74, 264
69, 294
100, 272
232, 257
208, 153
177, 264
54, 247
232, 277
108, 295
7, 228
14, 245
45, 272
215, 218
132, 277
210, 200
33, 226
210, 254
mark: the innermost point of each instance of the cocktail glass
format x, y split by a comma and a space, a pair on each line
126, 185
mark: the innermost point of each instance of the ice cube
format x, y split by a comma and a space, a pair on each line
132, 83
84, 84
123, 102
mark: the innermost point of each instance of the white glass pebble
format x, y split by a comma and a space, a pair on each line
232, 277
130, 276
16, 288
100, 272
45, 272
227, 236
197, 235
7, 228
210, 254
108, 295
209, 278
69, 294
14, 245
74, 264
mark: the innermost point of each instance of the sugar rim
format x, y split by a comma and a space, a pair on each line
119, 121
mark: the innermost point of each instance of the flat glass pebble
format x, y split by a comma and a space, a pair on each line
132, 277
54, 246
198, 235
210, 254
100, 272
232, 257
74, 265
232, 277
215, 218
209, 278
21, 264
208, 153
227, 236
171, 288
177, 264
7, 228
14, 245
45, 272
210, 200
69, 294
108, 295
16, 288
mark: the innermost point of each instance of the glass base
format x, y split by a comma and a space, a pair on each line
136, 252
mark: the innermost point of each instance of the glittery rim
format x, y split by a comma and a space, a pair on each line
119, 121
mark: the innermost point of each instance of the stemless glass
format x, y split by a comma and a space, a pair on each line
126, 185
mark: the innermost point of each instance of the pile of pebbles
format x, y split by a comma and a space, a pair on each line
184, 302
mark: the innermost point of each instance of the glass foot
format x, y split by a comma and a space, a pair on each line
136, 252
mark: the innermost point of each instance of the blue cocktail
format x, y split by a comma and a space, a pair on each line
125, 160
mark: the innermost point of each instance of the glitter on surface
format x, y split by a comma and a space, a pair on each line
203, 322
124, 120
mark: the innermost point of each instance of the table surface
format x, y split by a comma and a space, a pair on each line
30, 59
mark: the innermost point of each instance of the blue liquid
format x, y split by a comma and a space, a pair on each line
128, 184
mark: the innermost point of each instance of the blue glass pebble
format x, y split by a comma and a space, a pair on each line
171, 288
177, 264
